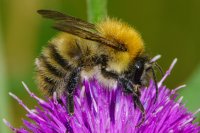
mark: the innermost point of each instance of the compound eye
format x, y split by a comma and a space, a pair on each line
139, 68
139, 65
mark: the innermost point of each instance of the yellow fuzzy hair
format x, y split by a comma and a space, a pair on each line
124, 34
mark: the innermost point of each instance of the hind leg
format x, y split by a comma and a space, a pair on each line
72, 83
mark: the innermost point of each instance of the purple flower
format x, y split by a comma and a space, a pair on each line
99, 110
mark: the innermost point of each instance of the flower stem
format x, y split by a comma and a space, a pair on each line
96, 10
5, 104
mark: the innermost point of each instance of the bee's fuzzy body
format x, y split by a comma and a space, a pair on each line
66, 52
111, 51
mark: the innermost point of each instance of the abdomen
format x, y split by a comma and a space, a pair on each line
55, 64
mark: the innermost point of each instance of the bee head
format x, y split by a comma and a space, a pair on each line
139, 73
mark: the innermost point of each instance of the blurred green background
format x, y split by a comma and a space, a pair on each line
170, 28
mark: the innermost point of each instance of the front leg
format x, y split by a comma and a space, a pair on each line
72, 82
133, 89
138, 103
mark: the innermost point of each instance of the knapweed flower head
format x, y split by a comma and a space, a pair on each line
99, 110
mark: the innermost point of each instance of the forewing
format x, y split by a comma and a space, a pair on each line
79, 28
55, 15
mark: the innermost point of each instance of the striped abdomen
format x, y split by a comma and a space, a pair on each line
52, 70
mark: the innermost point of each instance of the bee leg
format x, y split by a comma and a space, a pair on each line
60, 101
136, 95
70, 103
138, 104
72, 83
133, 89
136, 90
156, 85
126, 85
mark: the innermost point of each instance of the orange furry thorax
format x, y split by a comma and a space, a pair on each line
123, 33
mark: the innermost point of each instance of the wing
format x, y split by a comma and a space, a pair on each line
63, 17
79, 28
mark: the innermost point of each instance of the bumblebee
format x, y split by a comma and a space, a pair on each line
111, 51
